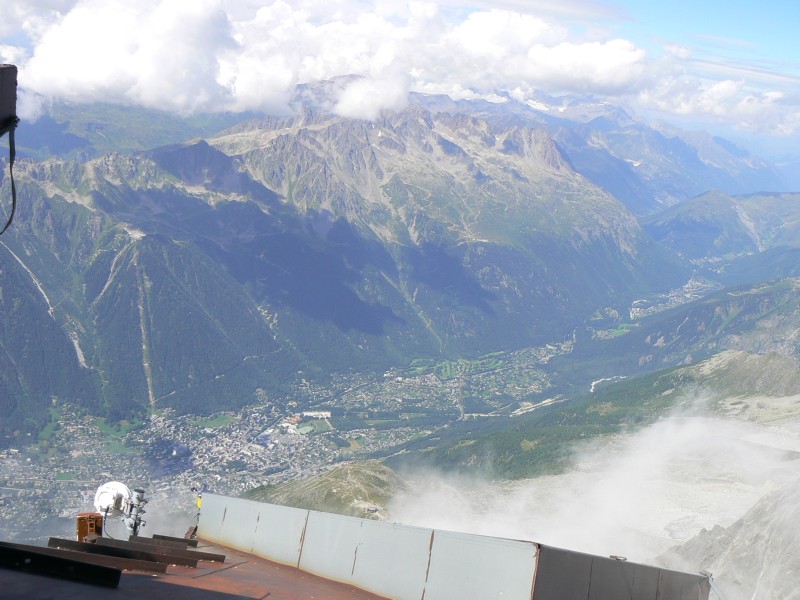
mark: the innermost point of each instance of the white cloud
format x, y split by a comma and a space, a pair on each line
29, 106
158, 54
498, 34
610, 67
589, 11
31, 16
12, 55
678, 51
728, 101
250, 55
366, 98
633, 495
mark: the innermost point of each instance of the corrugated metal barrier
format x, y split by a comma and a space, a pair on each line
413, 563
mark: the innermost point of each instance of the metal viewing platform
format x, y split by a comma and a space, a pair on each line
249, 549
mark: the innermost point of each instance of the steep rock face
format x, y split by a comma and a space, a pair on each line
733, 373
647, 167
669, 167
652, 166
491, 218
758, 556
456, 169
714, 224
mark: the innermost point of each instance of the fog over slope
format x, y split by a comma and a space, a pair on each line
757, 556
639, 495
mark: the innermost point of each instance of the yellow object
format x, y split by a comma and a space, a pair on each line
199, 500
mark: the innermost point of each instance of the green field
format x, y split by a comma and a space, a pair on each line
320, 425
48, 430
119, 429
451, 369
621, 329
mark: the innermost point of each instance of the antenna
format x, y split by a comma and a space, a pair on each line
117, 500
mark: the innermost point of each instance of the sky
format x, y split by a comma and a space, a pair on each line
729, 66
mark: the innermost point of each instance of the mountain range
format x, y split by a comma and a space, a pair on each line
199, 263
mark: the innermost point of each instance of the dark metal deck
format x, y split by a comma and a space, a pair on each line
240, 576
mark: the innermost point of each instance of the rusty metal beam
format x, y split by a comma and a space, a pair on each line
125, 564
167, 559
193, 554
169, 538
163, 543
39, 563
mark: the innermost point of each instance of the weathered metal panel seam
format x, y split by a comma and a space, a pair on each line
255, 532
535, 569
355, 558
302, 540
428, 568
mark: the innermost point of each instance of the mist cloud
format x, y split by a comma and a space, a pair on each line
214, 55
634, 495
